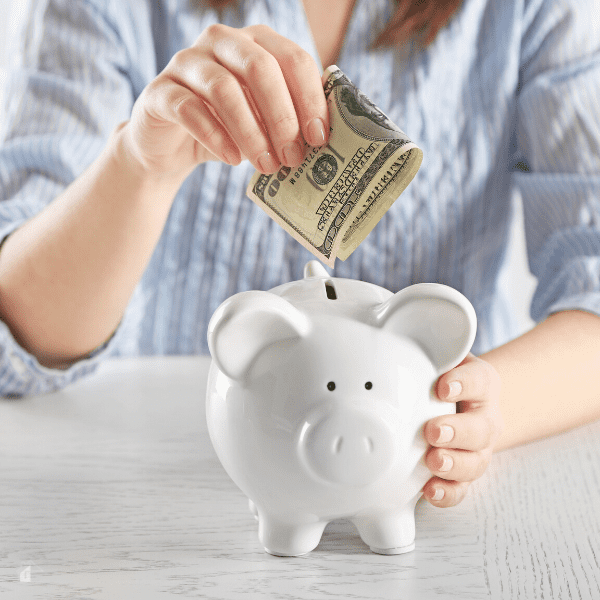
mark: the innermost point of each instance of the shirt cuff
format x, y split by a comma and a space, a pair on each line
568, 272
576, 287
589, 303
22, 375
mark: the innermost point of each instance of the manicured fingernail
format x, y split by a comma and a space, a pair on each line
447, 463
316, 132
293, 154
439, 494
446, 434
454, 389
267, 162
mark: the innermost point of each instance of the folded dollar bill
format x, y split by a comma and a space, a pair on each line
338, 194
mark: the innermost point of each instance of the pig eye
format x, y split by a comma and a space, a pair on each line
368, 385
331, 386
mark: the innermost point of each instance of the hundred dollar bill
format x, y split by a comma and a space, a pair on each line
338, 194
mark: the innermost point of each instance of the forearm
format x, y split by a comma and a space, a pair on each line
67, 274
549, 378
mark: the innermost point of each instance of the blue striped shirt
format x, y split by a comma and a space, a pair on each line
505, 100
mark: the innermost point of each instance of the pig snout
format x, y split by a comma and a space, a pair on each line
349, 447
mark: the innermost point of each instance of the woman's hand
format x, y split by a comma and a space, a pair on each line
234, 94
463, 443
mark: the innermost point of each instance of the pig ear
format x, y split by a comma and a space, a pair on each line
246, 324
439, 318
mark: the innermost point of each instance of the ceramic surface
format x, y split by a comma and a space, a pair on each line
317, 397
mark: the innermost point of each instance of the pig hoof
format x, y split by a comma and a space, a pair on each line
398, 550
288, 539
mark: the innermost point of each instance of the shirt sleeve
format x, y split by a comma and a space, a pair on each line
557, 160
71, 81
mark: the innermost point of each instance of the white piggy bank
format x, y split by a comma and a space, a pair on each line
317, 397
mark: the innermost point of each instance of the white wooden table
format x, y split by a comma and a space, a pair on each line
111, 489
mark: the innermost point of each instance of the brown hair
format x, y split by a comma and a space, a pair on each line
413, 19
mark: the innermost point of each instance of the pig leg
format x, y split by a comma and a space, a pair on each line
391, 532
287, 537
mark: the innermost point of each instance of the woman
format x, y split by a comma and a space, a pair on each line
123, 172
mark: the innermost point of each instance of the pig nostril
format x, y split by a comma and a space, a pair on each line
337, 444
369, 443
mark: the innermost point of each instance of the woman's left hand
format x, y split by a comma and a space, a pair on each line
462, 443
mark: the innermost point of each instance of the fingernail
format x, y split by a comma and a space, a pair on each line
439, 494
267, 162
316, 132
293, 154
446, 434
447, 463
454, 389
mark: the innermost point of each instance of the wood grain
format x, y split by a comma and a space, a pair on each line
111, 489
538, 510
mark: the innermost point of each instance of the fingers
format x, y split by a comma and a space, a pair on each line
475, 386
235, 93
304, 83
474, 381
216, 87
457, 465
453, 472
468, 431
170, 100
462, 443
266, 90
444, 494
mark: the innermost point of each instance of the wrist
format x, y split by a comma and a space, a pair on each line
125, 157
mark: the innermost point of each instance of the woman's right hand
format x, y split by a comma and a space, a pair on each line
234, 94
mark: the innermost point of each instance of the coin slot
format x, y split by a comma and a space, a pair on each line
330, 290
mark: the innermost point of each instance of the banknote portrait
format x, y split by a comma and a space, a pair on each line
361, 114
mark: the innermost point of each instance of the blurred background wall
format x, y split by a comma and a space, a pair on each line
516, 283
